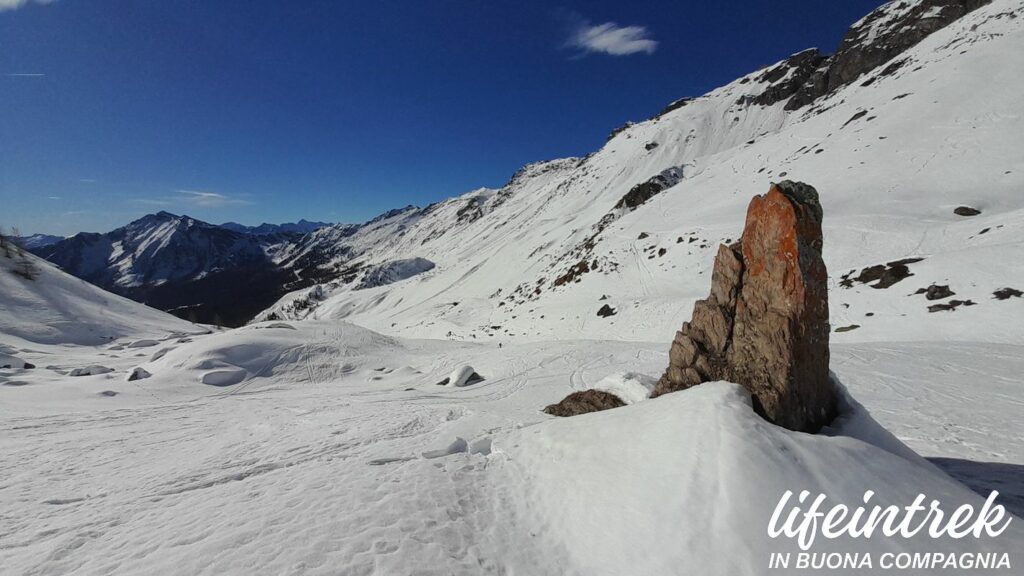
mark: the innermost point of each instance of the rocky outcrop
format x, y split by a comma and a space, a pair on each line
765, 323
647, 189
883, 275
966, 211
583, 402
878, 38
803, 71
1007, 293
936, 292
888, 32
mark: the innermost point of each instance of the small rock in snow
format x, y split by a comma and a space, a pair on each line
137, 373
90, 370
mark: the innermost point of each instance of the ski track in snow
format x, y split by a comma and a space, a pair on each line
321, 466
327, 448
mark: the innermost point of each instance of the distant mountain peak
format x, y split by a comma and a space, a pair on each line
303, 226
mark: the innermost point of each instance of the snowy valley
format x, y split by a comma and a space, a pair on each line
316, 439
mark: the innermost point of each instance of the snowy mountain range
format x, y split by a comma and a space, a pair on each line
179, 264
891, 130
39, 240
624, 224
301, 227
317, 437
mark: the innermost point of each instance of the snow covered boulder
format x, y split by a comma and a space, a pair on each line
90, 370
612, 392
634, 491
8, 361
145, 343
462, 376
137, 373
225, 377
629, 387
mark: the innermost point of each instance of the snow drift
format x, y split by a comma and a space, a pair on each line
687, 483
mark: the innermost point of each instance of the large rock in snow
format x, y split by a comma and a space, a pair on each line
765, 323
584, 402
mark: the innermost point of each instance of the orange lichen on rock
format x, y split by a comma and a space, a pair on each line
765, 323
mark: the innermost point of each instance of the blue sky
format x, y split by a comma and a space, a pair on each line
253, 111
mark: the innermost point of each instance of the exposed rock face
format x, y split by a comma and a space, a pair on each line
1007, 293
889, 31
802, 72
646, 190
936, 292
877, 38
584, 402
950, 306
883, 275
765, 323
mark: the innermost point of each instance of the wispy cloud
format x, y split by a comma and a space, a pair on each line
610, 38
15, 4
151, 201
24, 74
193, 198
210, 199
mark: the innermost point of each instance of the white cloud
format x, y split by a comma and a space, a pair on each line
610, 38
192, 198
209, 199
15, 4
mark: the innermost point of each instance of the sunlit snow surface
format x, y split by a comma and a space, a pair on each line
338, 453
314, 446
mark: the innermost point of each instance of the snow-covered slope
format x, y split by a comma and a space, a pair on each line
154, 250
36, 241
56, 308
182, 265
892, 154
321, 447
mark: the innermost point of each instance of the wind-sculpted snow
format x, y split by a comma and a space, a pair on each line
684, 485
336, 451
308, 444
